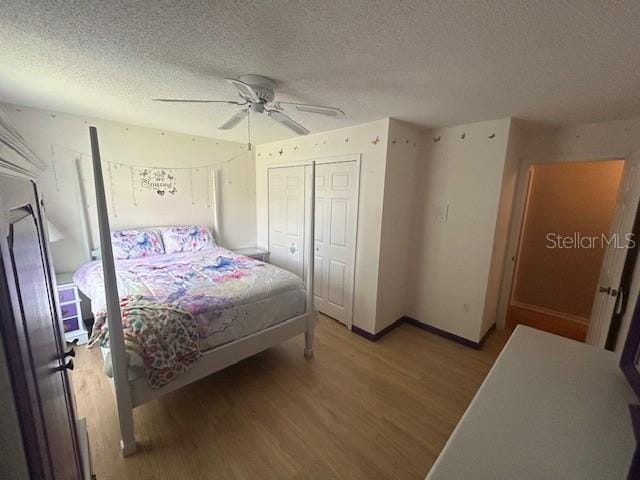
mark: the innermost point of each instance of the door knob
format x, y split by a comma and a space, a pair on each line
609, 291
65, 366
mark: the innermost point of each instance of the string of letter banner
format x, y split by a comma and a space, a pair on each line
160, 180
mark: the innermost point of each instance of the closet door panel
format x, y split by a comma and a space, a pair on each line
286, 218
336, 213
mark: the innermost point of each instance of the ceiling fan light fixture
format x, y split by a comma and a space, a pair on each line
258, 94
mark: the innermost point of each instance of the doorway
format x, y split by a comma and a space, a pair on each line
337, 190
565, 233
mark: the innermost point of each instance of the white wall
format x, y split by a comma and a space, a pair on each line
370, 142
59, 139
539, 144
452, 261
500, 246
592, 140
396, 250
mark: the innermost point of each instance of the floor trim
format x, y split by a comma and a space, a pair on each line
374, 337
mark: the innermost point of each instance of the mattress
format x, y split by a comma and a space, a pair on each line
229, 296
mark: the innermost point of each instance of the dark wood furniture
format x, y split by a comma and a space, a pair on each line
33, 344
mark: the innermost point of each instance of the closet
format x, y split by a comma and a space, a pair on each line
337, 187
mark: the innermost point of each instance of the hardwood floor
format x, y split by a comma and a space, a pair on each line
357, 410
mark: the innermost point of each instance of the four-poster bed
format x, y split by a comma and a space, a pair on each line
131, 393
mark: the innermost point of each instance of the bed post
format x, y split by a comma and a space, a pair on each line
114, 318
311, 310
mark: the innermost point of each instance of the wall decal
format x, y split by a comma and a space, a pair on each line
346, 140
160, 180
281, 151
407, 141
295, 148
492, 136
393, 141
377, 140
436, 139
463, 136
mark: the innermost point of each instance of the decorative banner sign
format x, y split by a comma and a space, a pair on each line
161, 180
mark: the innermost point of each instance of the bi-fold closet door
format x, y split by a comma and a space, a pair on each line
337, 185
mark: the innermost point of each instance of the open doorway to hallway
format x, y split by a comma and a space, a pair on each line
566, 230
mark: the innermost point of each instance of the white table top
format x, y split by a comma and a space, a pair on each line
551, 408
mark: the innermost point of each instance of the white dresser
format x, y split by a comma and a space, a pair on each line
551, 408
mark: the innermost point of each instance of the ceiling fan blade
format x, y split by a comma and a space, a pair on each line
287, 122
246, 91
321, 109
233, 121
178, 100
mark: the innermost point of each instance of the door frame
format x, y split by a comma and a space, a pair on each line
518, 212
354, 157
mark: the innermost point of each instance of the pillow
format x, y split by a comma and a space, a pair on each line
128, 244
186, 239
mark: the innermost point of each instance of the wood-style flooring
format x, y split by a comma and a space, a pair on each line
357, 410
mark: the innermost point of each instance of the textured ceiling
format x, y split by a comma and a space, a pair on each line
433, 63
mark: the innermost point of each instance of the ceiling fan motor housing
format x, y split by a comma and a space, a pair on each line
263, 86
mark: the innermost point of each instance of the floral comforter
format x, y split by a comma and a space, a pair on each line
162, 334
214, 293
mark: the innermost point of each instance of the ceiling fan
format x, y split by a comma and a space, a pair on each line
257, 95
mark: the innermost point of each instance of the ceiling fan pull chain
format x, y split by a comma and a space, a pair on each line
249, 129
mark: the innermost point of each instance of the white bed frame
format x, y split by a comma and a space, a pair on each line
130, 394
